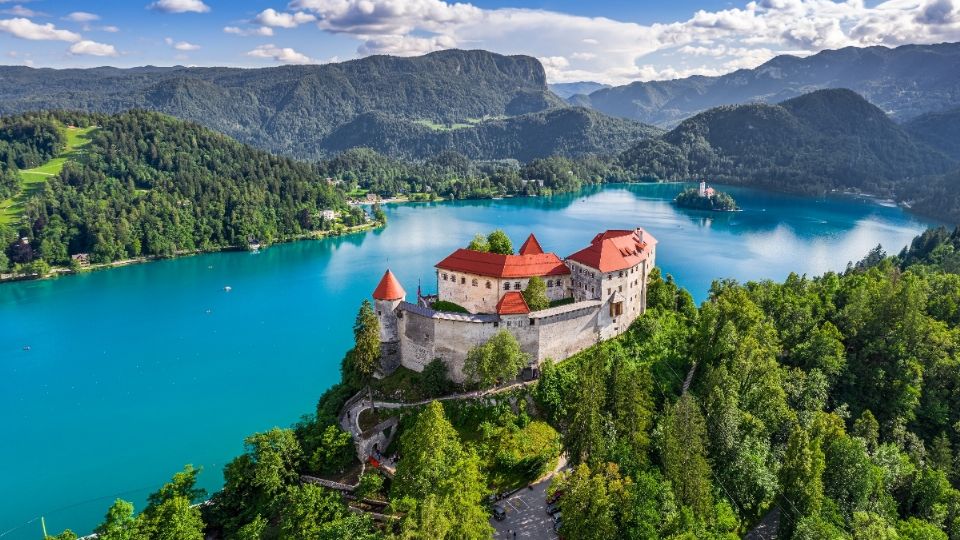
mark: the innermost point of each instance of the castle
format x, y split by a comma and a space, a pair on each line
597, 291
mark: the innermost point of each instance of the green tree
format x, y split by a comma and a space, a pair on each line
801, 480
500, 243
434, 381
479, 243
632, 410
253, 530
440, 480
500, 358
370, 485
591, 502
586, 434
366, 350
307, 510
867, 428
119, 523
685, 455
173, 519
536, 294
334, 451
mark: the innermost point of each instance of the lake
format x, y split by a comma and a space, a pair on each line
133, 372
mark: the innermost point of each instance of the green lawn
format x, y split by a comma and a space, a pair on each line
32, 180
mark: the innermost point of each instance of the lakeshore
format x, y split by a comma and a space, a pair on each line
138, 351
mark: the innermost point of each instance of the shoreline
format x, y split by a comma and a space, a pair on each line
61, 271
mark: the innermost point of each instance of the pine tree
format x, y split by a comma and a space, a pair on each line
535, 294
586, 435
366, 350
685, 455
801, 480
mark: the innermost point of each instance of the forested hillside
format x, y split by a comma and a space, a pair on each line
571, 131
315, 110
822, 141
905, 81
148, 184
940, 130
826, 408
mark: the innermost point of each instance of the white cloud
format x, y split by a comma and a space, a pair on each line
181, 45
285, 55
27, 29
109, 28
82, 17
259, 31
708, 42
21, 11
180, 6
93, 48
271, 17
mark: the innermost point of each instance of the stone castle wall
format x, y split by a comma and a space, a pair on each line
555, 333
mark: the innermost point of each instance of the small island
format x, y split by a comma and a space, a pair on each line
706, 198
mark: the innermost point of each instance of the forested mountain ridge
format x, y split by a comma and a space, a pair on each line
822, 141
569, 131
905, 82
305, 111
567, 90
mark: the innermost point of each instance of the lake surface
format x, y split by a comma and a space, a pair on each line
134, 372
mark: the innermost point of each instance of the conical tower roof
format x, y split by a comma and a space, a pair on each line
389, 288
531, 246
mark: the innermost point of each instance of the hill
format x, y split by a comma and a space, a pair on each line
821, 141
295, 110
566, 90
146, 184
570, 131
905, 82
941, 130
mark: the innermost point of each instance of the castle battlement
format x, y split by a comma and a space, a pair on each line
605, 284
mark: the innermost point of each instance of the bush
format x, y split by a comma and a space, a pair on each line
434, 381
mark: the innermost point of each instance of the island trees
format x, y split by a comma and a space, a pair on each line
500, 358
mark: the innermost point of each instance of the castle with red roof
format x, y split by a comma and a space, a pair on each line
595, 293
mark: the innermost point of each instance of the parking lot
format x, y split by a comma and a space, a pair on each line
526, 515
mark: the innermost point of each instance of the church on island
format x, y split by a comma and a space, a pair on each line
595, 293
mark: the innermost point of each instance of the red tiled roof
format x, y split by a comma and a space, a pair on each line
512, 303
531, 246
615, 250
503, 266
389, 288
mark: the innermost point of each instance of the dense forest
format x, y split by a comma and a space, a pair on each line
151, 185
828, 407
478, 103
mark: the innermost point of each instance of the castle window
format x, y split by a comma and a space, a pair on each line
608, 290
463, 280
616, 309
533, 322
474, 283
516, 285
379, 313
506, 286
488, 284
444, 276
621, 274
620, 288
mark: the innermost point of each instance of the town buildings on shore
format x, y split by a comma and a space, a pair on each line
597, 291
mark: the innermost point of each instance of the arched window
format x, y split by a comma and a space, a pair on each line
506, 286
488, 285
474, 282
516, 285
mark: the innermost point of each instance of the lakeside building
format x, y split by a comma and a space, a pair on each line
705, 191
599, 291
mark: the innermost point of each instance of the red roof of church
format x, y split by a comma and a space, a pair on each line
531, 246
616, 250
512, 303
504, 266
389, 288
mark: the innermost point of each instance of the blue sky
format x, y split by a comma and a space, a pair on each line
614, 41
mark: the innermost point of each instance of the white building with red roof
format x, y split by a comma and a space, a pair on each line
596, 293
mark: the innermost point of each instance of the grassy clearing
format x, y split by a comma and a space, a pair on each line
442, 127
33, 180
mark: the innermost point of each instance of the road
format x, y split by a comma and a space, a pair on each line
526, 515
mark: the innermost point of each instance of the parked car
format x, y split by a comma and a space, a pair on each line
499, 513
553, 508
556, 495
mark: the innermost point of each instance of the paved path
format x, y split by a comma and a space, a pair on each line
527, 511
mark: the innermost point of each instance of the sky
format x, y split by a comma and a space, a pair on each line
609, 41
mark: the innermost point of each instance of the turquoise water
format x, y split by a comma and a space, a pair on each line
136, 371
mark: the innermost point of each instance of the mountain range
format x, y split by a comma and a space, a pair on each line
905, 82
475, 102
565, 90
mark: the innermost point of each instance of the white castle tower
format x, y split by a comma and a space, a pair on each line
386, 297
